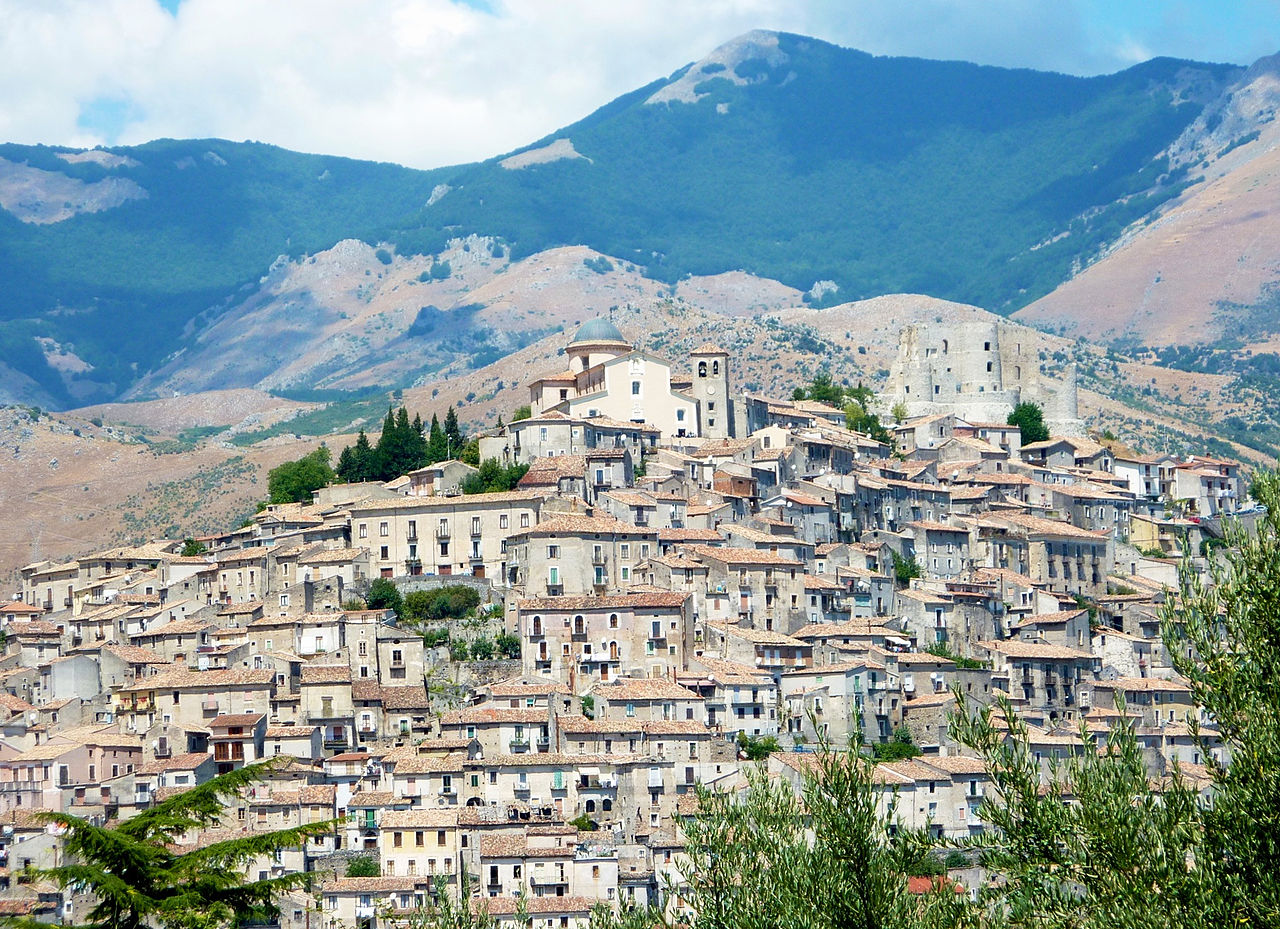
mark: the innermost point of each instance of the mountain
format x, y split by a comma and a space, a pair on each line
827, 170
1206, 270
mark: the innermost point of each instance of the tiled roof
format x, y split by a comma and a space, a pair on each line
326, 674
642, 688
743, 556
657, 600
236, 719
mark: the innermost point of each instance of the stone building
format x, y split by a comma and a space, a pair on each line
970, 371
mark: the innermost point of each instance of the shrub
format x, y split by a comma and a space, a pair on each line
363, 866
384, 595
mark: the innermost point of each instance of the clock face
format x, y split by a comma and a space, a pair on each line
711, 389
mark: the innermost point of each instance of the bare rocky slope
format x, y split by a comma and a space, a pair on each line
1208, 265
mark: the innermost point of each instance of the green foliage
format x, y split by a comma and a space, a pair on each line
446, 911
403, 446
508, 645
822, 390
884, 175
363, 866
482, 649
451, 602
899, 412
294, 481
191, 548
600, 264
904, 569
898, 748
955, 859
1224, 637
458, 650
1029, 418
139, 877
582, 823
757, 748
1117, 854
441, 270
521, 412
942, 650
588, 706
492, 477
383, 256
827, 858
384, 595
434, 638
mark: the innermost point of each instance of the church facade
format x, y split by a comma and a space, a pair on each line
609, 378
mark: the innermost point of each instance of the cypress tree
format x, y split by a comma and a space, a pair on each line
453, 433
363, 459
437, 445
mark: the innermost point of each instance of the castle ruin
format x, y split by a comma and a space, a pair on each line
978, 371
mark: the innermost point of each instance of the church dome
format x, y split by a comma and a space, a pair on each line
598, 330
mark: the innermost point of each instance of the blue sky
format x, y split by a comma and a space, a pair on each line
430, 82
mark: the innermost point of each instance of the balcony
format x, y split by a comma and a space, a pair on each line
443, 532
599, 558
336, 744
518, 746
543, 743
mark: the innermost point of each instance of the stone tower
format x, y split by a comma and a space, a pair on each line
711, 391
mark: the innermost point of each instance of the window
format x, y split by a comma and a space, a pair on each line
502, 521
635, 388
553, 576
384, 553
524, 520
364, 530
553, 551
475, 525
363, 649
382, 529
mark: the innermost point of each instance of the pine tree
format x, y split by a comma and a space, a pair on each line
142, 877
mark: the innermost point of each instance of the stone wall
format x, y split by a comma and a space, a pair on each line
978, 371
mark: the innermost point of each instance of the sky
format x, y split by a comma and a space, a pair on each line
433, 82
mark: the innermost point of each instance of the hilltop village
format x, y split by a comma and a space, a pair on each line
688, 581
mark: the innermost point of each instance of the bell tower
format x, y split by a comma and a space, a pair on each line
711, 391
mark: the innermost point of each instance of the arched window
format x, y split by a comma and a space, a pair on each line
606, 804
591, 806
702, 369
715, 367
579, 627
944, 346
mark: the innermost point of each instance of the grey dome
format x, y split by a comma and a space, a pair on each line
598, 330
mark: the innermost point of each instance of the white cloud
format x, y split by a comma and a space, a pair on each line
430, 82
